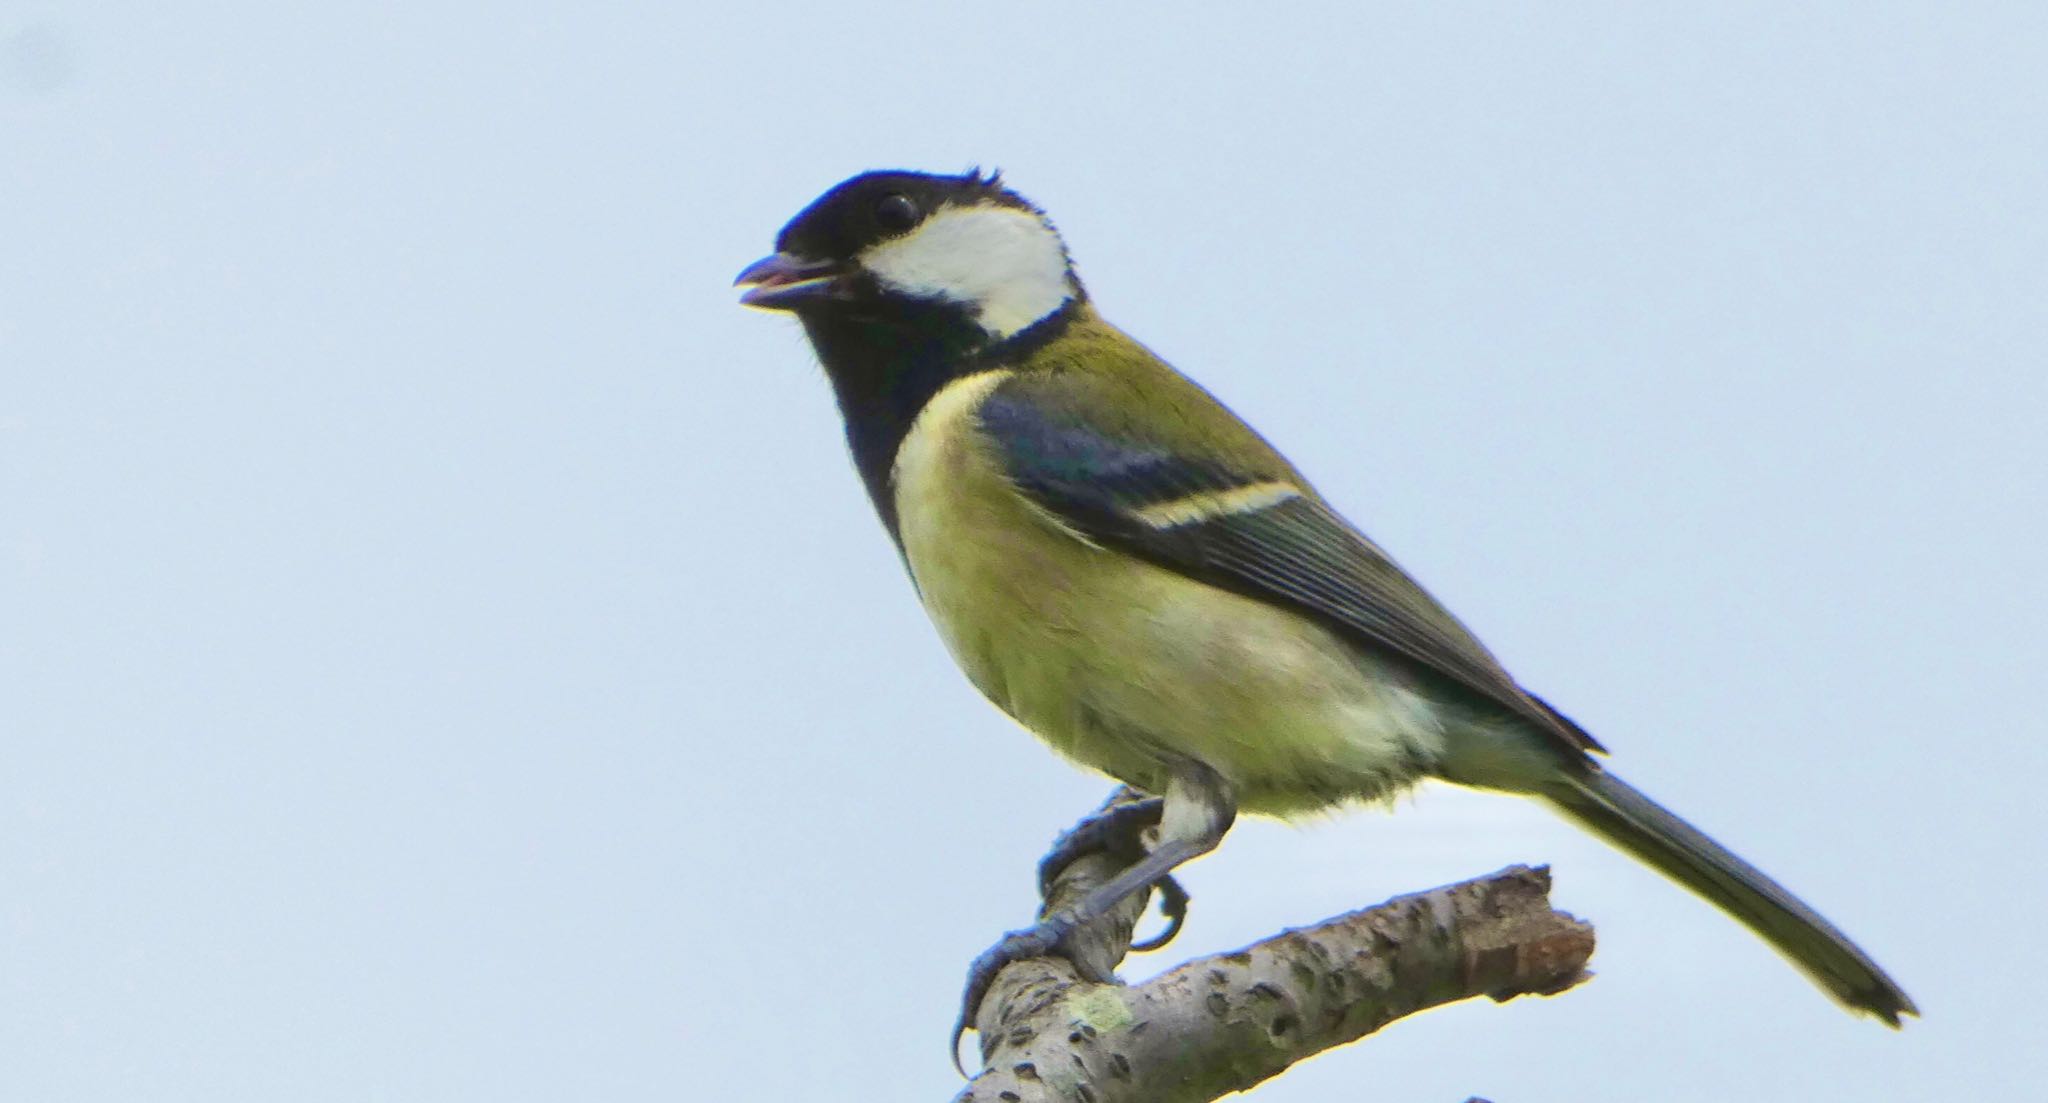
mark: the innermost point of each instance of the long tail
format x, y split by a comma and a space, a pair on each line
1635, 823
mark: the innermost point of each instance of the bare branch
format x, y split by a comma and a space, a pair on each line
1224, 1023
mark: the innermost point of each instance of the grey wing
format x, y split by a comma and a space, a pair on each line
1262, 536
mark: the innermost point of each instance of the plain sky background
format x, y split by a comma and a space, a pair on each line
445, 653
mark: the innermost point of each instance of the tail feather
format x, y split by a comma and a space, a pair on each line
1638, 825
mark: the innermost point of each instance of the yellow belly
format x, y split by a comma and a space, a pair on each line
1127, 667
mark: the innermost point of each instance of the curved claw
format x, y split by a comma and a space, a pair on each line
1012, 948
1173, 904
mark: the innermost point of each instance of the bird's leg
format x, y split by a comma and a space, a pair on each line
1197, 810
1117, 828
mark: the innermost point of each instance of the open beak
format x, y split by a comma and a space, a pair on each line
786, 282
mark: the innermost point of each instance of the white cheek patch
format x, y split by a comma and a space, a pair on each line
1007, 263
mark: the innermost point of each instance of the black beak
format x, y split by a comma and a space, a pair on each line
786, 282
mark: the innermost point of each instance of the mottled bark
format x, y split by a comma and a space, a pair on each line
1222, 1024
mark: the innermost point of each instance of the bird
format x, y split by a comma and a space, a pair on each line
1136, 576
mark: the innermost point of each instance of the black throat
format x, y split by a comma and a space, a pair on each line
884, 371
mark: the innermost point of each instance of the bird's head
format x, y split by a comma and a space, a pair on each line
915, 250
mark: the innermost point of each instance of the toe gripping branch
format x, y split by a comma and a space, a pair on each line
1114, 837
1118, 830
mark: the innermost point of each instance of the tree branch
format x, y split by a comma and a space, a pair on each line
1220, 1024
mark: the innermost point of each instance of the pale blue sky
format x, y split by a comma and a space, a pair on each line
446, 655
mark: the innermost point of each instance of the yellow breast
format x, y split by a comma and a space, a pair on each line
1124, 666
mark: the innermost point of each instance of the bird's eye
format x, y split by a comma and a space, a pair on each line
896, 213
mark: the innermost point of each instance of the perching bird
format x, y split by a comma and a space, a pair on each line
1130, 571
